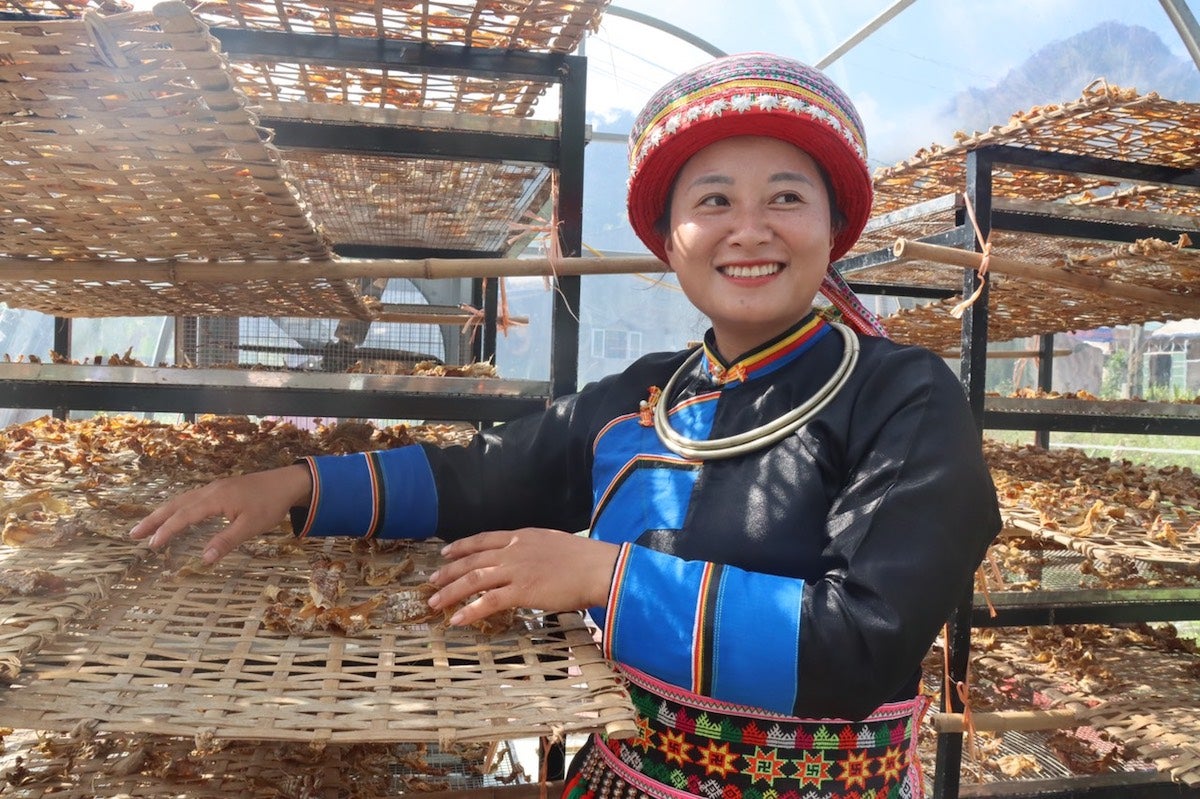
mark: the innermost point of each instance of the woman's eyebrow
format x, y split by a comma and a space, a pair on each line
705, 180
778, 177
788, 176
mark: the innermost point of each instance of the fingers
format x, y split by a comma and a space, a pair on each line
253, 503
480, 542
531, 567
178, 515
486, 604
173, 518
150, 523
459, 580
227, 540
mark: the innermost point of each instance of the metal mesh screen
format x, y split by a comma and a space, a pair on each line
329, 345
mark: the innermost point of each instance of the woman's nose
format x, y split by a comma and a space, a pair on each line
749, 227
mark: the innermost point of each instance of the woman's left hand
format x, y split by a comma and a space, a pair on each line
528, 568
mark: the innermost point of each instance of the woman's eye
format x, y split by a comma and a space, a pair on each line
788, 197
714, 200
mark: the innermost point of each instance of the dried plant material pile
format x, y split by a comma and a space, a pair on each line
89, 764
1105, 122
70, 491
1118, 681
1118, 514
165, 644
1082, 395
322, 608
425, 368
108, 451
30, 582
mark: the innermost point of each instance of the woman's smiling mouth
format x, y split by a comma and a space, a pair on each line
751, 270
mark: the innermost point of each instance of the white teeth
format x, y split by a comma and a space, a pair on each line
758, 270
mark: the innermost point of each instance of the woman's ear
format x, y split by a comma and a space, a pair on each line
669, 250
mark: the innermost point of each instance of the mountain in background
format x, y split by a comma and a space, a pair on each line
1128, 56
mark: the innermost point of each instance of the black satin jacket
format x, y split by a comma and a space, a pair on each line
882, 503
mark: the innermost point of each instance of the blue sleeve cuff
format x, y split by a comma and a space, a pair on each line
688, 623
389, 494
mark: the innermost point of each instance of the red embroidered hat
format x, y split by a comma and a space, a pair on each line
751, 94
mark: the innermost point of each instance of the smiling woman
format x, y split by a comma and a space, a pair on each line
750, 237
759, 509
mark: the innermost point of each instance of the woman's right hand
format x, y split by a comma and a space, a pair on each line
251, 503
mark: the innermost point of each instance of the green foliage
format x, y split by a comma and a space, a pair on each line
1166, 394
1116, 372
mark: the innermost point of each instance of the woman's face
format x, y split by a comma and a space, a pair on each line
749, 237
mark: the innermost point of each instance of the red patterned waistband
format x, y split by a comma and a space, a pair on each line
688, 746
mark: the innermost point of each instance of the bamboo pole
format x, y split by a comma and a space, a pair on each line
408, 317
906, 250
305, 271
1007, 721
533, 790
1007, 354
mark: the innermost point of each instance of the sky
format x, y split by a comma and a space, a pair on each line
898, 77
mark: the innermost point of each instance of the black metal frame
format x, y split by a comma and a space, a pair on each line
565, 153
1051, 607
191, 391
1046, 607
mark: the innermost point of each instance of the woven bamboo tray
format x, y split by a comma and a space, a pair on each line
89, 566
70, 490
1105, 121
1108, 512
1136, 688
1109, 541
919, 197
419, 203
150, 652
529, 25
64, 512
93, 765
1019, 307
127, 139
172, 163
173, 655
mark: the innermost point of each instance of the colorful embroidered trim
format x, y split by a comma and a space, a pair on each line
704, 748
766, 360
